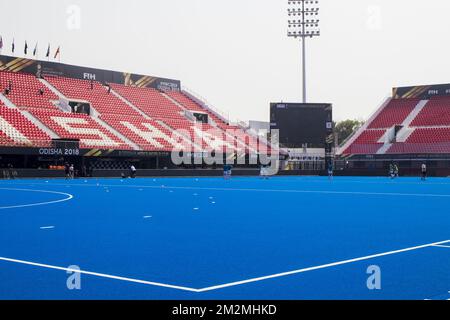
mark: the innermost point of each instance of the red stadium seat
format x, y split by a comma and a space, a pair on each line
150, 101
25, 90
394, 113
93, 92
435, 113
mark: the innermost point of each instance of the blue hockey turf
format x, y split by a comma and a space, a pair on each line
207, 238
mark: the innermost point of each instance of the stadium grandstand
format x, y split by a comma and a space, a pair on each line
411, 127
107, 113
112, 118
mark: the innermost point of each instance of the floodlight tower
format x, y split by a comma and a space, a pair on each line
303, 23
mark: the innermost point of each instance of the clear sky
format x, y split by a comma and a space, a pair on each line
236, 54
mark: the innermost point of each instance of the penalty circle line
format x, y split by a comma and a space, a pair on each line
68, 197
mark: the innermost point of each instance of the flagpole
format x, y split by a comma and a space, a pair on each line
58, 54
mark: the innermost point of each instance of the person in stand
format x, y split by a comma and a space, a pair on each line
8, 89
133, 171
424, 171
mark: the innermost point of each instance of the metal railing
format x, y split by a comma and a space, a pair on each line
205, 104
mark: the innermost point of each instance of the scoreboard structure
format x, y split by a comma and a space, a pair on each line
304, 125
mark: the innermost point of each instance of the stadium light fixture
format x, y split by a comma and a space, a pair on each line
303, 23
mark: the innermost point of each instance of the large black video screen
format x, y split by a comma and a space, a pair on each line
302, 124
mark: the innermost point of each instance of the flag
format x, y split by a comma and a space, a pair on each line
35, 49
25, 50
57, 52
48, 51
13, 46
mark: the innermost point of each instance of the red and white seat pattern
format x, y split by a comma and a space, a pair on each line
93, 92
80, 126
148, 134
150, 121
204, 135
25, 90
424, 140
428, 132
17, 130
431, 129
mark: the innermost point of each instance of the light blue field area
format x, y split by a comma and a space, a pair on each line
207, 238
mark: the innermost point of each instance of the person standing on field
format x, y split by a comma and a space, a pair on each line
71, 171
424, 171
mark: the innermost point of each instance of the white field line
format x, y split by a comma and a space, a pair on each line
96, 274
46, 228
441, 246
264, 190
334, 264
226, 285
296, 191
67, 198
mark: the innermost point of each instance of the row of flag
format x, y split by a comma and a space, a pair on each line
35, 50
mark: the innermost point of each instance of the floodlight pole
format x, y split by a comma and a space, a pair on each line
303, 40
304, 67
303, 29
